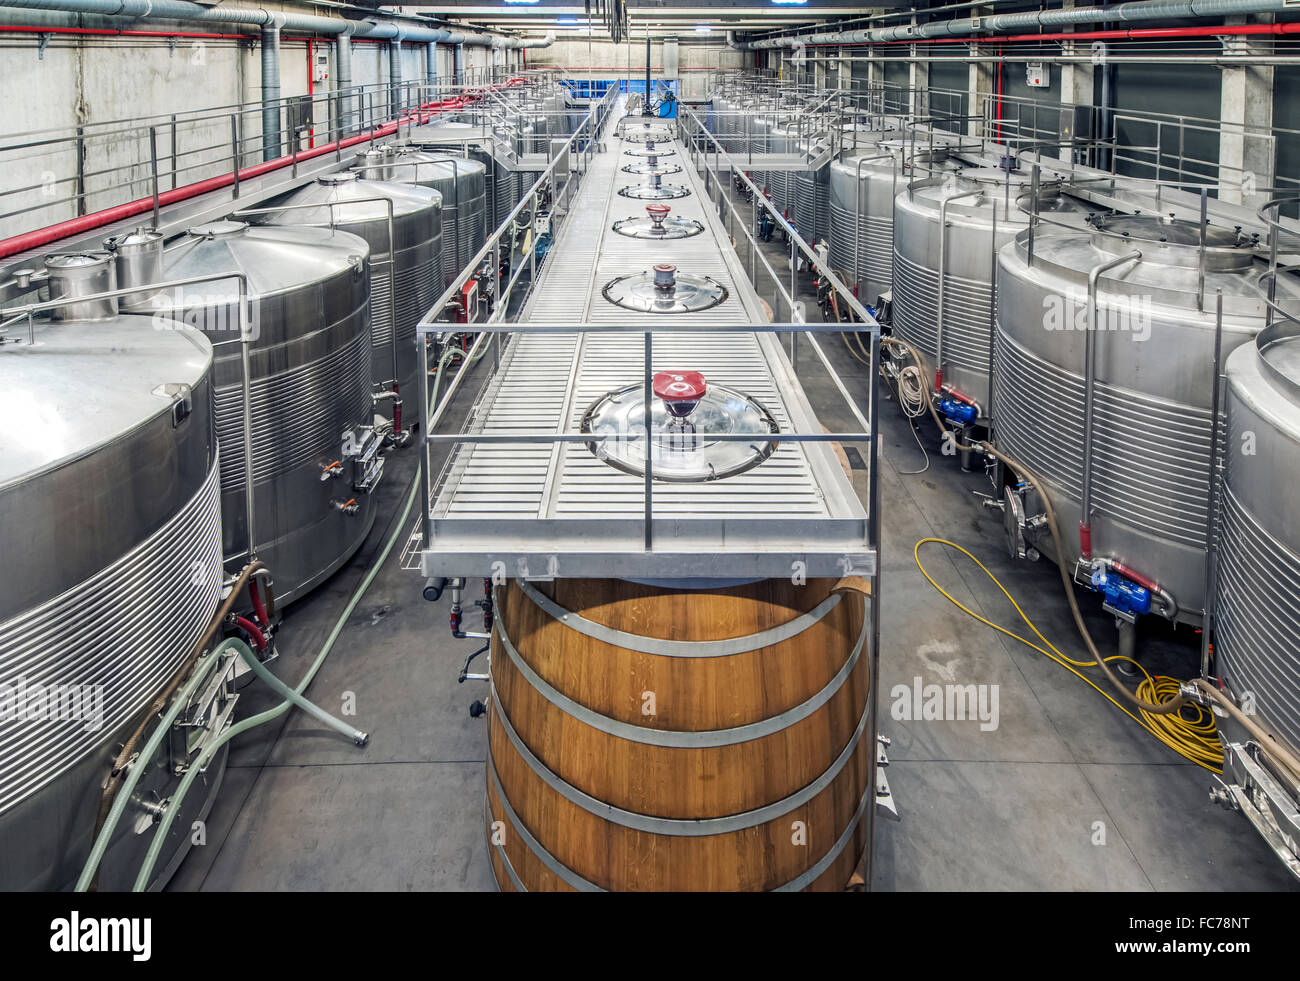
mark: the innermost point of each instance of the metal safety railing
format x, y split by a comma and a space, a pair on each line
56, 175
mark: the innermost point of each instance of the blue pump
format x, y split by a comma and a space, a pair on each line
1122, 595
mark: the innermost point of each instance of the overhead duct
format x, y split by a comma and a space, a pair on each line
271, 138
1137, 10
183, 10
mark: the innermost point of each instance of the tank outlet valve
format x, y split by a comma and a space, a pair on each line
958, 411
334, 469
349, 506
1122, 597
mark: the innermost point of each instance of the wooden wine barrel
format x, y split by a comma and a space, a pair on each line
644, 738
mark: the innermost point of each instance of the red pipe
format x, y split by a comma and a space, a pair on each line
250, 628
86, 223
1137, 577
259, 609
1120, 34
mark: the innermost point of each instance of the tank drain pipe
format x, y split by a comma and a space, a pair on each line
857, 200
1089, 398
1211, 558
454, 619
943, 261
245, 342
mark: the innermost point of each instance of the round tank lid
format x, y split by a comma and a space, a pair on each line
1278, 345
652, 169
76, 260
1016, 178
219, 229
137, 236
650, 150
654, 190
1174, 241
681, 449
342, 177
658, 224
664, 289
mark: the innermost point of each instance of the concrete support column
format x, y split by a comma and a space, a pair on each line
846, 70
980, 87
918, 80
819, 71
271, 137
1247, 153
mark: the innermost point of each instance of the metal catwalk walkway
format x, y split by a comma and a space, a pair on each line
517, 502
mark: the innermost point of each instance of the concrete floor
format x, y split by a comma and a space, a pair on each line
1066, 793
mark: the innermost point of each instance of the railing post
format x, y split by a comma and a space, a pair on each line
234, 150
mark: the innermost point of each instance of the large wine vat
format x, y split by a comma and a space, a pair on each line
648, 738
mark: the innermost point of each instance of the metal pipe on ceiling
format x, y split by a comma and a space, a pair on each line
184, 10
992, 24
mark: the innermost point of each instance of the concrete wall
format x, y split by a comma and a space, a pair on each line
90, 81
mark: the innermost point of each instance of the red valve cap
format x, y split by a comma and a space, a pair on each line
679, 386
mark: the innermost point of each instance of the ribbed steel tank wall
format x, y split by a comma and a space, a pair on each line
976, 228
110, 524
783, 138
462, 182
309, 291
504, 184
864, 181
809, 191
411, 284
1153, 390
1257, 633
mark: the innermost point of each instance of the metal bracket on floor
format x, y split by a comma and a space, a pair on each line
884, 796
1263, 800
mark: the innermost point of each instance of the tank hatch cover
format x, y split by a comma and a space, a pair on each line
685, 414
653, 167
654, 190
1175, 241
664, 290
658, 224
651, 150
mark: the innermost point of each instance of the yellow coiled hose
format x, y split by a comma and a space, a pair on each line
1189, 732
